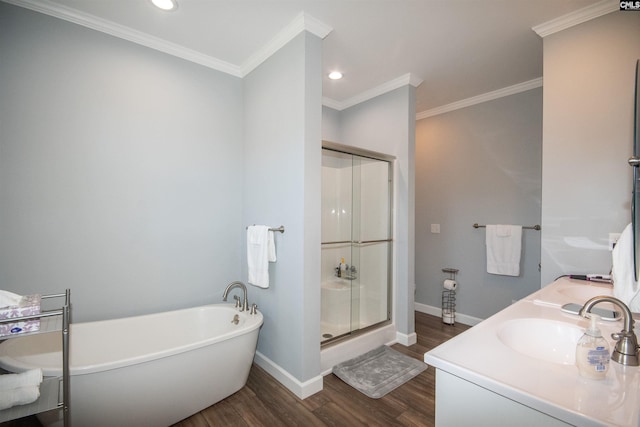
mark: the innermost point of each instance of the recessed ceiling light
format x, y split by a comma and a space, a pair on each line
165, 4
335, 75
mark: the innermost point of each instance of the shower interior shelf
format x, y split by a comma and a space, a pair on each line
54, 391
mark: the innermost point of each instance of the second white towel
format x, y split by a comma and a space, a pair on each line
504, 246
19, 396
625, 287
260, 251
32, 377
20, 389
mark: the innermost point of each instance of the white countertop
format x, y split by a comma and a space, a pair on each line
479, 356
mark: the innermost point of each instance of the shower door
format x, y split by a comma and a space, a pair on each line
356, 243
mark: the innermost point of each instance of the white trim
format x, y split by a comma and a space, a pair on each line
404, 80
406, 340
126, 33
328, 102
303, 22
300, 389
576, 17
489, 96
315, 26
435, 311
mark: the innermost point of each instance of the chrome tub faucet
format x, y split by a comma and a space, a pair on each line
236, 284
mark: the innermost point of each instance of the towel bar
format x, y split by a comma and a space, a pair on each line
531, 227
280, 229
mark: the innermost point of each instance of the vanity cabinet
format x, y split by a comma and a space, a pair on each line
463, 403
54, 391
518, 368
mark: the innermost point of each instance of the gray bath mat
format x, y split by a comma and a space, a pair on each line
378, 371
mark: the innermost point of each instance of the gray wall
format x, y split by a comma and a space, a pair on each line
120, 171
588, 137
282, 186
129, 176
331, 124
480, 164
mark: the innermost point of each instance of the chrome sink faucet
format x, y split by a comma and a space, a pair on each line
626, 349
245, 302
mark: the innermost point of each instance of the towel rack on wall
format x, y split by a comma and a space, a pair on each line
530, 227
280, 229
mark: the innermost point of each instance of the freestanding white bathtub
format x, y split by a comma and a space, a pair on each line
151, 370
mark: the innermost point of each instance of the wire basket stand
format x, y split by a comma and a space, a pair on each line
449, 299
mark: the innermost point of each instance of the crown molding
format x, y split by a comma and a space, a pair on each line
126, 33
332, 103
405, 80
489, 96
576, 17
302, 22
315, 26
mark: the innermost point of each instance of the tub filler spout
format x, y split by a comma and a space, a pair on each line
236, 284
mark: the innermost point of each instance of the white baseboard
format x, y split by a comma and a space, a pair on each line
300, 389
406, 340
437, 311
386, 335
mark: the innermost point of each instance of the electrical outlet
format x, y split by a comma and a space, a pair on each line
435, 228
613, 239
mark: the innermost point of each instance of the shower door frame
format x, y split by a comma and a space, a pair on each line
360, 152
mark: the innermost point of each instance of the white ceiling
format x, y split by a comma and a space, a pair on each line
458, 48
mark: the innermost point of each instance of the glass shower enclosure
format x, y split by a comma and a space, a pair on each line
356, 243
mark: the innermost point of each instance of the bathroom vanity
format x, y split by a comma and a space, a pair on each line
517, 367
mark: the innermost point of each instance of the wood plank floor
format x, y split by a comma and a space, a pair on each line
264, 402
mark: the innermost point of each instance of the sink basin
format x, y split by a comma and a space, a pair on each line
543, 339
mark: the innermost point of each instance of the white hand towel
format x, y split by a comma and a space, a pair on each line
19, 396
32, 377
503, 230
271, 247
625, 287
260, 251
504, 246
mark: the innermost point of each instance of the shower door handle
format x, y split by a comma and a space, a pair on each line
359, 242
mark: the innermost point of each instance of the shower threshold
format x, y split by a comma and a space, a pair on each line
335, 335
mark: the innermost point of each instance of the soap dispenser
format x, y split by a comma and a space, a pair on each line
592, 352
